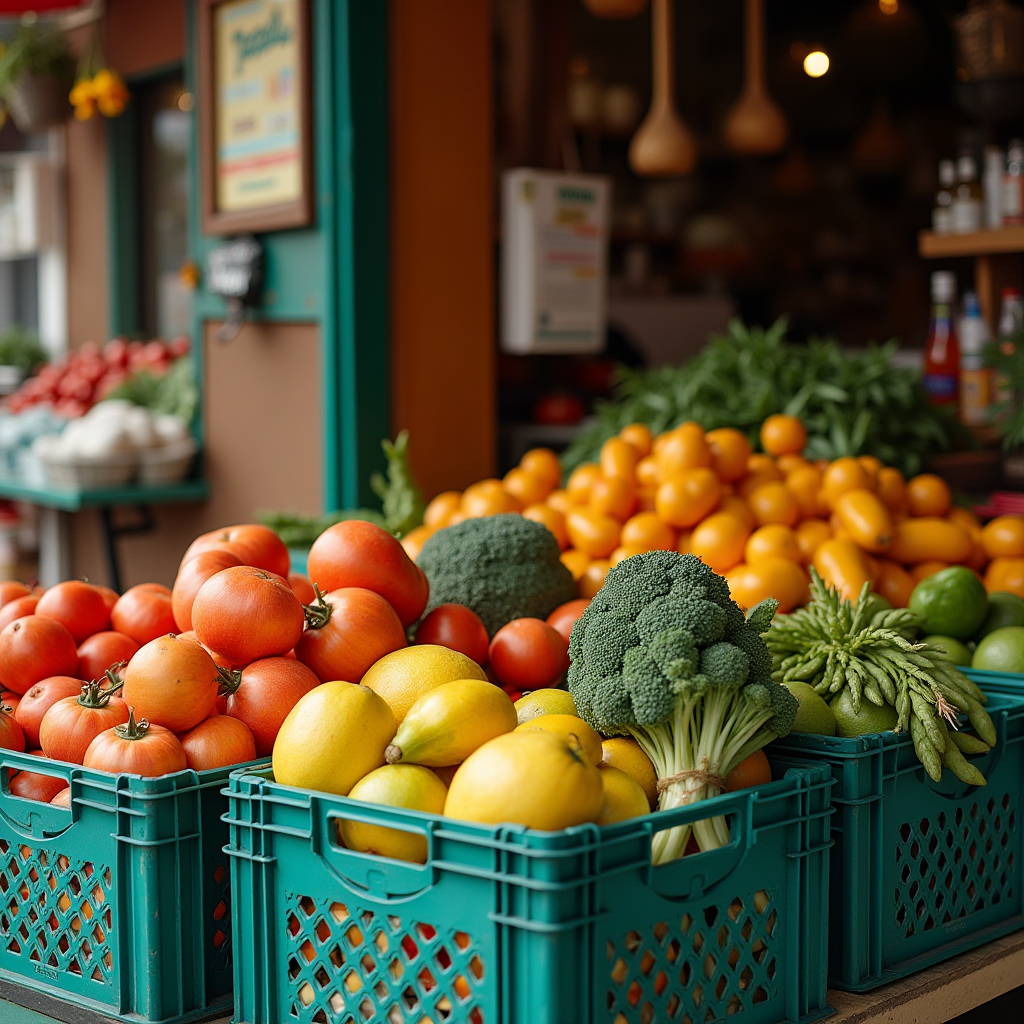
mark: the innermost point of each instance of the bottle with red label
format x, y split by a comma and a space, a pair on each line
941, 376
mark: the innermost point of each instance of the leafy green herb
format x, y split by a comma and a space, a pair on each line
36, 49
400, 495
20, 347
1006, 357
852, 403
298, 530
174, 393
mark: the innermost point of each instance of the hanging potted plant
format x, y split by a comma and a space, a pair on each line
36, 71
98, 89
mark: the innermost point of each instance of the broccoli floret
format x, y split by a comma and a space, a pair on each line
503, 567
664, 654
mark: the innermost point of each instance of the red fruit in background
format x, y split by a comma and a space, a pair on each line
77, 606
36, 786
34, 648
557, 408
253, 544
171, 682
10, 590
457, 627
264, 692
73, 723
563, 617
11, 736
528, 654
301, 587
191, 576
102, 651
350, 629
110, 596
63, 798
39, 699
144, 613
18, 608
11, 699
356, 553
218, 742
244, 614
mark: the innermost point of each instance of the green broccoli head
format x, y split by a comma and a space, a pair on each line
504, 567
663, 627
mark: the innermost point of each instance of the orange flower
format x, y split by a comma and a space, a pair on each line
83, 98
110, 91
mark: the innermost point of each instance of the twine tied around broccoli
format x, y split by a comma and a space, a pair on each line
703, 775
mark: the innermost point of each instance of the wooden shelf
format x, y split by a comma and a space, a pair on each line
977, 243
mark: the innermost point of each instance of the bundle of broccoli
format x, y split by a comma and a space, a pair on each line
664, 654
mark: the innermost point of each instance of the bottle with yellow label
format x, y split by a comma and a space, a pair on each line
975, 377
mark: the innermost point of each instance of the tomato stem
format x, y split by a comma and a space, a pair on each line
230, 680
95, 695
132, 730
319, 614
6, 709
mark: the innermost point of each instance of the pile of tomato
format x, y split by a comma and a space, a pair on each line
203, 675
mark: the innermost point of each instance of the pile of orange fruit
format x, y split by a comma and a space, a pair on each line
759, 518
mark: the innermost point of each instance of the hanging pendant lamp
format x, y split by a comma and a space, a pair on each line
755, 126
662, 145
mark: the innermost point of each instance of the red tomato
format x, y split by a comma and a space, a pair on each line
10, 590
144, 613
63, 798
35, 786
35, 648
73, 723
563, 617
254, 545
559, 407
10, 699
102, 651
191, 576
77, 606
244, 614
353, 627
264, 692
137, 749
18, 609
218, 742
457, 627
110, 596
302, 587
528, 654
116, 352
39, 699
356, 553
172, 683
11, 736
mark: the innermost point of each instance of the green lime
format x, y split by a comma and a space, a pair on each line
813, 715
952, 649
870, 718
1001, 651
952, 602
1004, 609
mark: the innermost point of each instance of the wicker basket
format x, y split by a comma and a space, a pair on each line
168, 464
90, 474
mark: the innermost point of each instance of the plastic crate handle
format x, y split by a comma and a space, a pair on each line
32, 819
380, 877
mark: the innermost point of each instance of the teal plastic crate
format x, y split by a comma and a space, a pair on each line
120, 905
504, 925
921, 870
997, 682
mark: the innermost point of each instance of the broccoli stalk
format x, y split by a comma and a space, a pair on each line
664, 654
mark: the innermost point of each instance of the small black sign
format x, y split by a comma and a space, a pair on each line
235, 270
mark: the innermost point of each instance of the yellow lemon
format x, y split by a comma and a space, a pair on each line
333, 736
624, 753
394, 785
449, 722
623, 797
402, 677
544, 702
566, 726
532, 778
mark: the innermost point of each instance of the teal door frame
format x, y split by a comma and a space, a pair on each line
335, 272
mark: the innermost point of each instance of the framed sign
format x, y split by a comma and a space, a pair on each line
255, 151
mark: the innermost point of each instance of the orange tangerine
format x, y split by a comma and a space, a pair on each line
542, 463
845, 474
810, 534
559, 499
758, 461
1003, 537
923, 570
618, 458
894, 583
684, 448
719, 541
739, 509
966, 518
775, 540
787, 463
865, 517
840, 563
526, 488
614, 496
928, 538
624, 551
891, 487
552, 519
647, 471
1006, 572
685, 541
872, 466
639, 436
928, 495
593, 579
581, 480
783, 435
774, 502
413, 541
592, 532
645, 499
576, 562
774, 577
687, 498
730, 450
487, 498
645, 530
978, 558
441, 508
805, 484
763, 475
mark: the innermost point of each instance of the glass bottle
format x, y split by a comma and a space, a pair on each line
941, 376
966, 205
942, 217
1013, 185
992, 186
975, 378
